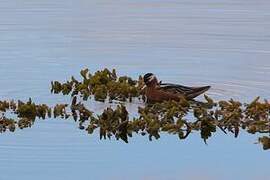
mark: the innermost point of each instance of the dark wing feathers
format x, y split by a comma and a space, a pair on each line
189, 92
175, 87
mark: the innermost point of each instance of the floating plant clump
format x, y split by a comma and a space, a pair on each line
26, 113
177, 118
102, 85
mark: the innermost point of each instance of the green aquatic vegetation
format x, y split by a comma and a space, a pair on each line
168, 117
257, 117
265, 141
176, 118
4, 106
25, 123
30, 110
100, 85
7, 123
60, 110
206, 122
230, 116
27, 110
100, 93
113, 122
56, 87
27, 113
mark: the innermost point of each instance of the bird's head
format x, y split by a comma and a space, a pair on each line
150, 79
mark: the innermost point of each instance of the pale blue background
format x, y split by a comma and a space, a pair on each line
223, 43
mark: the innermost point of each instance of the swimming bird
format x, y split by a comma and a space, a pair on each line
157, 91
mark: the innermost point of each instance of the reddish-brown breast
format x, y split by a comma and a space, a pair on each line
156, 95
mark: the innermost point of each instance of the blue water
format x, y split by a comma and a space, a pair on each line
222, 43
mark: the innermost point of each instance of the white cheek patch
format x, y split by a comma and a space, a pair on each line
151, 78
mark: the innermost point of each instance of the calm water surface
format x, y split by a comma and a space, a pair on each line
222, 43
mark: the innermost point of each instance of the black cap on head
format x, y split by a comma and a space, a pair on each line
147, 77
